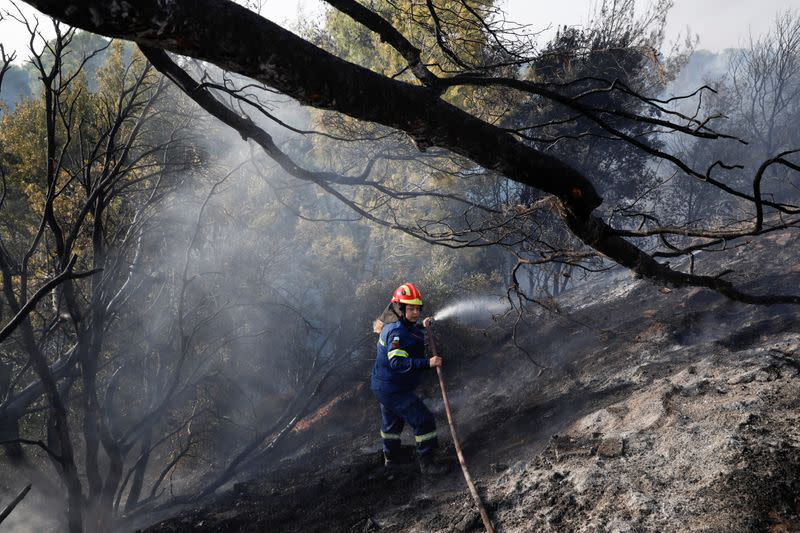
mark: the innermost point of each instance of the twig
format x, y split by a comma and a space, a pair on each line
14, 503
66, 274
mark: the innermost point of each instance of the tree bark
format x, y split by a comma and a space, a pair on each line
135, 492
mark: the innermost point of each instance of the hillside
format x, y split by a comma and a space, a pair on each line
659, 409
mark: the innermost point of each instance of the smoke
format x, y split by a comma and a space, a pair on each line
474, 309
230, 294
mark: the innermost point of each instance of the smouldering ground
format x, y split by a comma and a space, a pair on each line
660, 409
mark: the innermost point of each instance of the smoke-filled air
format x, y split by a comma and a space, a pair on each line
398, 266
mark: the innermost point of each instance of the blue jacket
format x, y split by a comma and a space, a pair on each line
400, 358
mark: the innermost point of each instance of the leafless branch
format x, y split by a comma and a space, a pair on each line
10, 507
30, 304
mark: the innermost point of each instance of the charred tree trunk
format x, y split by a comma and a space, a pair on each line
135, 492
9, 426
9, 432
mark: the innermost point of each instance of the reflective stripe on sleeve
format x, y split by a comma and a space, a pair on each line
426, 436
381, 341
390, 435
397, 353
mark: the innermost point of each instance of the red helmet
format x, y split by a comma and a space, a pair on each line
407, 294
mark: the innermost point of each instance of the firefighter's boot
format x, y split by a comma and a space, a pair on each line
390, 462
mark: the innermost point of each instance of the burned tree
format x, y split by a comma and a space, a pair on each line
116, 372
70, 156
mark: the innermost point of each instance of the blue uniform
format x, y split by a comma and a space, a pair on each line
399, 366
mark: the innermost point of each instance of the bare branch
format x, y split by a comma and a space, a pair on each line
28, 306
294, 66
10, 507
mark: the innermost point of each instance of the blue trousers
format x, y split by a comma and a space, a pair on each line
397, 409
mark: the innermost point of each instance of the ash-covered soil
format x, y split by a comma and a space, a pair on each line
659, 410
711, 447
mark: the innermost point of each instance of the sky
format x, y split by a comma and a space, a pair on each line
719, 23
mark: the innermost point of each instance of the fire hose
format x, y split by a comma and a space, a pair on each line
484, 516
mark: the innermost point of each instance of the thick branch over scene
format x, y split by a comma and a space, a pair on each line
230, 36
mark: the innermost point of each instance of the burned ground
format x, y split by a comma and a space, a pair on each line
658, 410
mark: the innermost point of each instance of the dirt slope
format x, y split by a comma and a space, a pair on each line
659, 410
712, 447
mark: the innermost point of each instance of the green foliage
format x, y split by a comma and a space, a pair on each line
82, 117
412, 18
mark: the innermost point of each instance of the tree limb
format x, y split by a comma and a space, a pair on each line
10, 507
27, 307
239, 40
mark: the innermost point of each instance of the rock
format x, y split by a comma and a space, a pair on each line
748, 420
695, 388
227, 515
611, 447
747, 377
498, 467
241, 488
763, 377
467, 523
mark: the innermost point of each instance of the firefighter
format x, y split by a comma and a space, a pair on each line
399, 367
